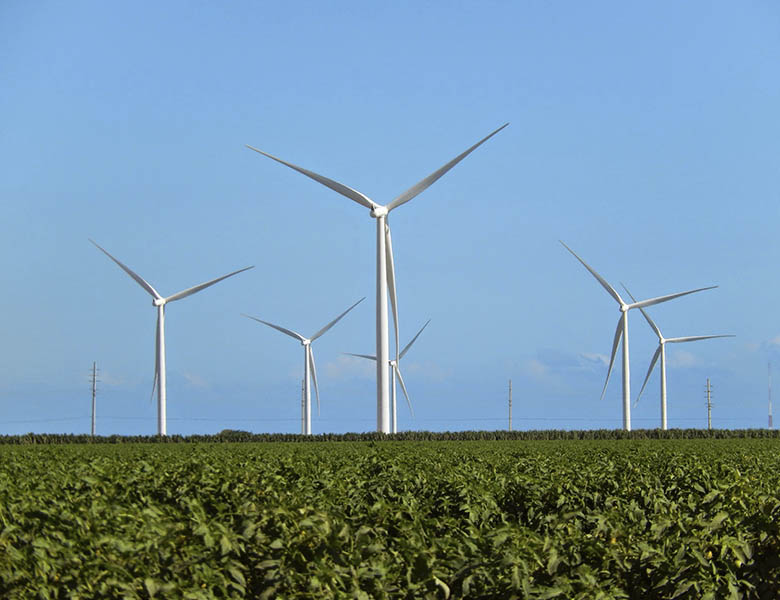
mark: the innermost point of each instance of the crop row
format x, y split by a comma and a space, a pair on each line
620, 519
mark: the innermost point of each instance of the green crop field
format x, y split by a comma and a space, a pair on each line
501, 519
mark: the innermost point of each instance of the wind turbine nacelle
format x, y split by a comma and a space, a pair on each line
379, 211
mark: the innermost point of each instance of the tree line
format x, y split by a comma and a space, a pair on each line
233, 435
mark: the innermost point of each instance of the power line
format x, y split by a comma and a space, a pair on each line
51, 420
367, 420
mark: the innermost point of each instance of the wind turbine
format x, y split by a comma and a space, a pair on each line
395, 369
385, 270
309, 371
622, 332
160, 302
661, 351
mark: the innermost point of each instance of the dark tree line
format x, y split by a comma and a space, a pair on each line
231, 435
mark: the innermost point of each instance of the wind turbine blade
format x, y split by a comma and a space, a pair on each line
618, 335
314, 377
649, 370
696, 338
336, 320
334, 185
409, 345
367, 356
660, 299
139, 280
390, 273
610, 290
203, 286
156, 359
433, 177
647, 317
403, 387
292, 334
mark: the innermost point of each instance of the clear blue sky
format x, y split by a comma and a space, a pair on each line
646, 136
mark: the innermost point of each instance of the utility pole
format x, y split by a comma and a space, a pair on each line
769, 365
94, 394
510, 405
709, 404
303, 406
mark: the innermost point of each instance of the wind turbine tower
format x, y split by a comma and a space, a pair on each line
385, 269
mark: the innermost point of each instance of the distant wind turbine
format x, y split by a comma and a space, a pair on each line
385, 270
309, 370
622, 332
661, 351
160, 302
395, 369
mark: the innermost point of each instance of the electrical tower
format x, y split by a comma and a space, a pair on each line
510, 405
94, 394
769, 366
709, 404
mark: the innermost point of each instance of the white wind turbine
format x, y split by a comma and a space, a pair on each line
661, 351
159, 359
395, 369
385, 270
622, 332
309, 370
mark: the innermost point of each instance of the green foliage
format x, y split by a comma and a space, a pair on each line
233, 435
507, 519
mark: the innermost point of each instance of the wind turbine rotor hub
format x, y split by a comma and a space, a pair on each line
624, 308
306, 343
158, 301
379, 211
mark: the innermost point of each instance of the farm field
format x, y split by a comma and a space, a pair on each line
499, 519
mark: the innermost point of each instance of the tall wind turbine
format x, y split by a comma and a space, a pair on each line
160, 302
385, 270
309, 371
661, 351
395, 369
622, 332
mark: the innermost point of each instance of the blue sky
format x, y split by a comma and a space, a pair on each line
644, 136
